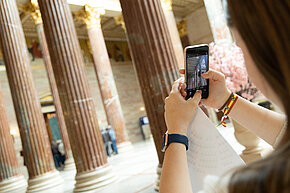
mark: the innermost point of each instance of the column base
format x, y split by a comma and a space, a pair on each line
259, 153
250, 157
16, 184
125, 147
157, 185
47, 183
69, 165
93, 180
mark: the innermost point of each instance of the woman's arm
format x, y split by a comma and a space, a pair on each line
174, 176
265, 123
178, 115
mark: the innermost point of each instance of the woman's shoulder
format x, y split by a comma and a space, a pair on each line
215, 184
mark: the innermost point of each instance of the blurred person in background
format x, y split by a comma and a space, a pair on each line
113, 139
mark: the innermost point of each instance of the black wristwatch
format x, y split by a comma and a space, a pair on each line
173, 138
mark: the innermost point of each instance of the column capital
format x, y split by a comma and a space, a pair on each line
166, 5
32, 8
90, 15
182, 29
120, 21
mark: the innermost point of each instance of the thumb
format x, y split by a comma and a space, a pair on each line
212, 74
195, 99
207, 74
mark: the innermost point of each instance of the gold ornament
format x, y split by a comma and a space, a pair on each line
90, 15
166, 5
182, 29
120, 21
33, 9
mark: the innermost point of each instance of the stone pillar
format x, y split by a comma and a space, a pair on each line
11, 180
217, 20
92, 18
174, 35
153, 58
33, 9
93, 170
35, 142
222, 35
250, 141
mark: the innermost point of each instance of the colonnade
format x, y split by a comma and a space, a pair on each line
156, 66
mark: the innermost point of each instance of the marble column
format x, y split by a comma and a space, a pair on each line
222, 36
217, 20
33, 9
92, 18
93, 170
174, 35
154, 60
35, 142
11, 180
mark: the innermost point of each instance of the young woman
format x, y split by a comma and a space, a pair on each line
261, 28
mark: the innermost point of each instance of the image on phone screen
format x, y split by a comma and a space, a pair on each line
196, 66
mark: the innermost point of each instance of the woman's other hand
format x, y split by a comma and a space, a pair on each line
218, 92
179, 112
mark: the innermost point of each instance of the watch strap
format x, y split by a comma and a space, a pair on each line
177, 138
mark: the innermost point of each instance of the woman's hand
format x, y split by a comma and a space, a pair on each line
218, 92
179, 112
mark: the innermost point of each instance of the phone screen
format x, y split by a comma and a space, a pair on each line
196, 65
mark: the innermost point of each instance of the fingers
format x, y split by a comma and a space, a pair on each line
182, 89
182, 71
176, 84
214, 75
196, 98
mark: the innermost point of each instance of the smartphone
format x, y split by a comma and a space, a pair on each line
196, 63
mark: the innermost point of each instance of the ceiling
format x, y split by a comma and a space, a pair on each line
182, 8
111, 30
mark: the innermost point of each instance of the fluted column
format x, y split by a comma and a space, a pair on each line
33, 9
154, 60
93, 170
222, 35
11, 180
92, 18
35, 142
174, 35
217, 20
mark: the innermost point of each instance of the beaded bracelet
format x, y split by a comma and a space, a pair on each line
228, 109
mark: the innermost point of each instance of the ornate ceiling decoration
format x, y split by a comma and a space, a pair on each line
111, 29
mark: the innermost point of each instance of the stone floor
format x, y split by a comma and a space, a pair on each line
135, 169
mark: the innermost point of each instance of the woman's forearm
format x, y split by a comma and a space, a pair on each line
263, 122
174, 175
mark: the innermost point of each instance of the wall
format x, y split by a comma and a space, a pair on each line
123, 47
198, 27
